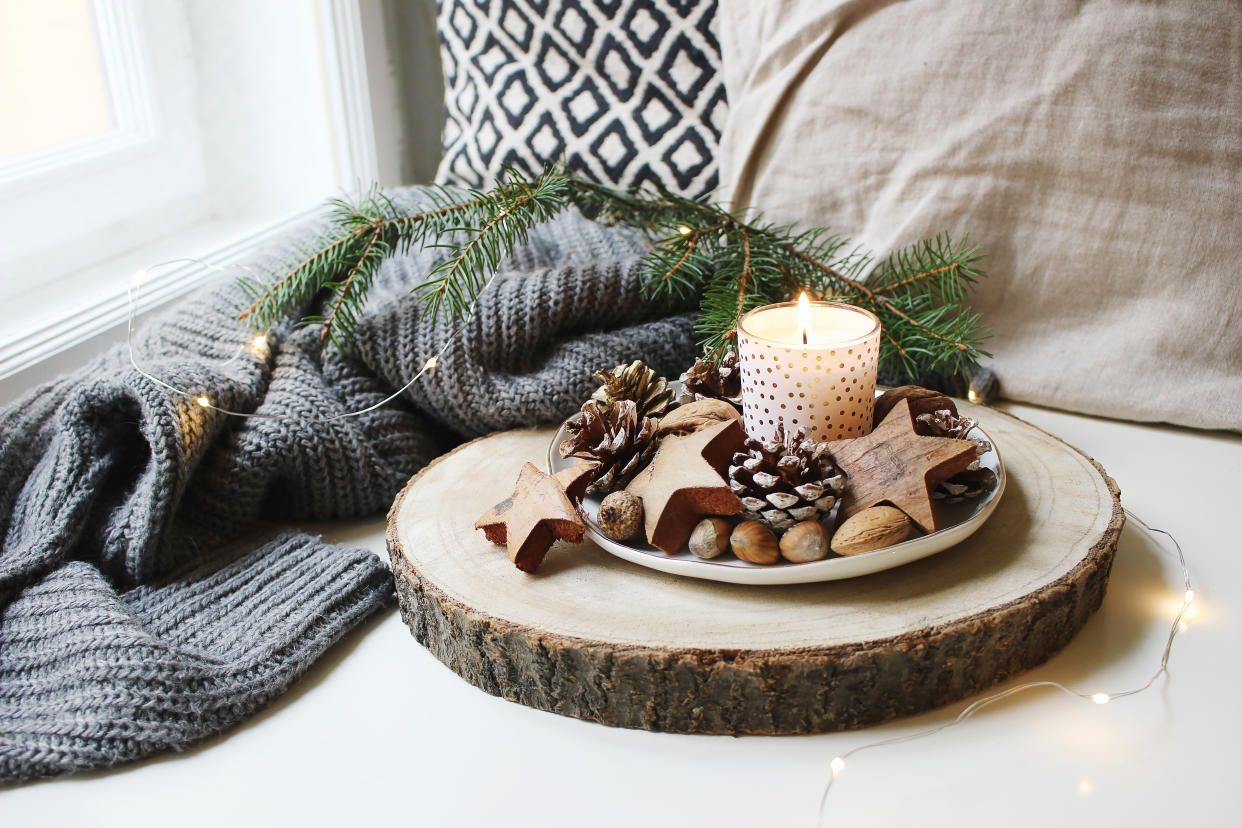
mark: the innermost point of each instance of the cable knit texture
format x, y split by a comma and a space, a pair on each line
140, 608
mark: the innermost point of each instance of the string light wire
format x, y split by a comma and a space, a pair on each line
838, 763
258, 345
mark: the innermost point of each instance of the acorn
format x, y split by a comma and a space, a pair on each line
621, 515
710, 537
755, 543
805, 542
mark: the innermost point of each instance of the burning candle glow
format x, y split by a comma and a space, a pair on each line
804, 316
810, 366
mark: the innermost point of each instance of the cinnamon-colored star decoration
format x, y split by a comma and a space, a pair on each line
894, 464
574, 480
683, 483
922, 401
537, 514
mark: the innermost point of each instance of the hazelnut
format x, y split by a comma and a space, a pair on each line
621, 515
805, 542
710, 537
871, 529
755, 543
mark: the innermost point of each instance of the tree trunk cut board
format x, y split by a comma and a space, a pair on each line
595, 637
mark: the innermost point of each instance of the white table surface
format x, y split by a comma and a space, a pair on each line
380, 732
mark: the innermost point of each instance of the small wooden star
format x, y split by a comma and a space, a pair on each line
575, 479
682, 483
536, 515
894, 464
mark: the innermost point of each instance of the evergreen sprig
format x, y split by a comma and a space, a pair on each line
733, 261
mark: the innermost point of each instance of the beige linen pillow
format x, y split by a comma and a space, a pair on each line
1093, 149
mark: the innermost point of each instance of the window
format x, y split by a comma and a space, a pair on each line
69, 68
153, 130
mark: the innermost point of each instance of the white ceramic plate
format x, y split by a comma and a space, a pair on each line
960, 520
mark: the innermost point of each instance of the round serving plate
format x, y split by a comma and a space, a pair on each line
960, 521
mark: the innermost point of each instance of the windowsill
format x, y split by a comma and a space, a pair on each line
48, 330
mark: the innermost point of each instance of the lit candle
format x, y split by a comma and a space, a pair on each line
810, 366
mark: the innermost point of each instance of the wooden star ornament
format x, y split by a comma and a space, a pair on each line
575, 479
682, 483
537, 514
894, 464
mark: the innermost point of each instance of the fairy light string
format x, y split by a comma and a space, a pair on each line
258, 348
838, 764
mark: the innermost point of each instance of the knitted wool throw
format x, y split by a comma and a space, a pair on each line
132, 617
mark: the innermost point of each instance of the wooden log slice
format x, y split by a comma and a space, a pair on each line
595, 637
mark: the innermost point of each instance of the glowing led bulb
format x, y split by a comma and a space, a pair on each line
684, 230
138, 278
259, 342
1189, 596
838, 765
1101, 698
972, 396
430, 365
204, 402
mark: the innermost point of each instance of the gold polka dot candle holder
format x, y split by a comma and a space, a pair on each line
813, 370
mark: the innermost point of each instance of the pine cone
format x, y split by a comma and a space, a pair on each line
976, 479
618, 439
786, 481
637, 383
704, 380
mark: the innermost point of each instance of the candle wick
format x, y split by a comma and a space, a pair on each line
804, 337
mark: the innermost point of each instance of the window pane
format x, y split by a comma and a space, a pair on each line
53, 88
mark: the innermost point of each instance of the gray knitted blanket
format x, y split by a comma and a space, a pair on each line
141, 609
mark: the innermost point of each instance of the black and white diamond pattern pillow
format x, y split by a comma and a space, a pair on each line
626, 92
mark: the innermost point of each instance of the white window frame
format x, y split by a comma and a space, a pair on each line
109, 179
42, 350
129, 94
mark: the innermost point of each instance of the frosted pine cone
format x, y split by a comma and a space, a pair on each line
635, 382
618, 439
786, 481
723, 381
976, 479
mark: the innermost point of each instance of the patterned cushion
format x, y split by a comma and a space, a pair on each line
626, 92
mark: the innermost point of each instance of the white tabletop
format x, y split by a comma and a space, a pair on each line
381, 732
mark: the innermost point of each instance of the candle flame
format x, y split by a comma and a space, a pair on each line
804, 317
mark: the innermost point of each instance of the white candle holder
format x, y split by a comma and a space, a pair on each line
826, 387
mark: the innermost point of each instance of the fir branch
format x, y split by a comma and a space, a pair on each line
913, 316
926, 274
684, 273
339, 307
933, 265
691, 243
832, 273
510, 211
744, 276
369, 230
733, 261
